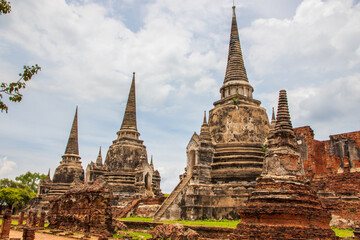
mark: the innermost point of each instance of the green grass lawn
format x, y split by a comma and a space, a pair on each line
343, 232
133, 235
207, 223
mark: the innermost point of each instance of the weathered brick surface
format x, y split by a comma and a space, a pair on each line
6, 225
29, 233
42, 220
86, 208
174, 232
31, 219
333, 168
283, 206
21, 218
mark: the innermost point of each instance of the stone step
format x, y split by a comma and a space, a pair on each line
171, 198
244, 164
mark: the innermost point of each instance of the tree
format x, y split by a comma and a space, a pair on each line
4, 7
12, 89
31, 180
15, 197
17, 194
8, 183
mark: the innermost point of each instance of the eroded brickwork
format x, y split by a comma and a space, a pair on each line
6, 225
86, 208
29, 233
283, 206
21, 218
42, 220
333, 168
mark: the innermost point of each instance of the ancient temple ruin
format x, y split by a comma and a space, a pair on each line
283, 206
126, 169
225, 160
67, 175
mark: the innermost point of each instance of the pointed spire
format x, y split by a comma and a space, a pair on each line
99, 159
205, 122
73, 145
283, 122
48, 176
273, 115
272, 123
151, 162
129, 121
235, 69
205, 131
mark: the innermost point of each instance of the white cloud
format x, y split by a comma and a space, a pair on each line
320, 38
328, 107
88, 50
6, 167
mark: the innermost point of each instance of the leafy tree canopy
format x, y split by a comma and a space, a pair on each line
4, 7
13, 89
31, 180
15, 196
18, 193
8, 183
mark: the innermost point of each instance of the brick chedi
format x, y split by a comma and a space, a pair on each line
126, 168
229, 165
283, 206
68, 174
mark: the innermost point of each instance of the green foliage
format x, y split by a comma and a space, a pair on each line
8, 183
207, 222
4, 7
264, 149
343, 232
12, 89
31, 180
166, 194
235, 99
15, 196
133, 235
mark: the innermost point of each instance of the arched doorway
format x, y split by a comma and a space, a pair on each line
191, 162
148, 181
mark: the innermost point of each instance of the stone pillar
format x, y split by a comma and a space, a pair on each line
29, 233
21, 218
6, 225
30, 219
42, 220
357, 233
35, 219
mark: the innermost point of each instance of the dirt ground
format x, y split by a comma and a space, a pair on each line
41, 236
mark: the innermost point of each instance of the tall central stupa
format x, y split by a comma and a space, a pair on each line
221, 171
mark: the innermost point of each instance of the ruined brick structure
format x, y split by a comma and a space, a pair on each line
333, 166
126, 168
225, 160
21, 218
85, 208
6, 225
28, 233
283, 206
67, 175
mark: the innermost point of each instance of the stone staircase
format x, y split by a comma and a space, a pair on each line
129, 207
168, 201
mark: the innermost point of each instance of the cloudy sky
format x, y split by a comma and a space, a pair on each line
88, 50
